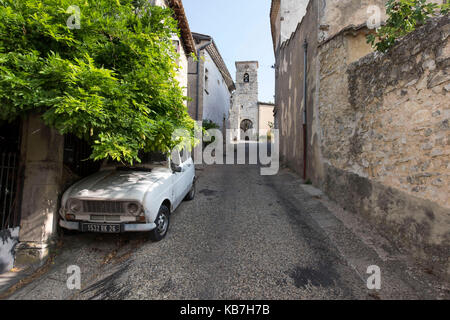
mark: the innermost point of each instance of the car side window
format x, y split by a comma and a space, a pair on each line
185, 155
175, 157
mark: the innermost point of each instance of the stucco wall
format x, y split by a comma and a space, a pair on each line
195, 89
265, 118
334, 15
385, 138
289, 96
216, 99
291, 13
182, 72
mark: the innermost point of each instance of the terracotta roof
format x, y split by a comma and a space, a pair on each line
266, 103
183, 25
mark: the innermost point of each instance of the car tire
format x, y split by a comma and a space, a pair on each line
191, 195
162, 222
67, 232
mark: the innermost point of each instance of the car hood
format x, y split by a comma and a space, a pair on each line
117, 185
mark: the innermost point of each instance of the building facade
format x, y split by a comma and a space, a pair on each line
38, 164
249, 119
265, 118
344, 123
244, 114
210, 83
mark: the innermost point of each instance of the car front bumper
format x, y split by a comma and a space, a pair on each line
128, 227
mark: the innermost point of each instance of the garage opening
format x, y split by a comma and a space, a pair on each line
77, 164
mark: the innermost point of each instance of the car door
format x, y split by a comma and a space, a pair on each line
188, 171
177, 179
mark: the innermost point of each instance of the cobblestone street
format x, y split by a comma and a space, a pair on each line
245, 236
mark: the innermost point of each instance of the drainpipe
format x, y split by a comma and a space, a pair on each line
305, 114
198, 77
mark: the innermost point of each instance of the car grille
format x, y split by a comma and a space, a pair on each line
111, 207
105, 218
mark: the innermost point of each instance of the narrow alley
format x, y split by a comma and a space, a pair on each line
245, 236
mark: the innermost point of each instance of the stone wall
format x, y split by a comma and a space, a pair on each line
377, 138
244, 104
42, 158
335, 15
384, 123
289, 92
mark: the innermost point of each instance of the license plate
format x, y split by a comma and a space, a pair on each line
101, 228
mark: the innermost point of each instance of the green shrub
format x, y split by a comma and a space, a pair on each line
404, 16
110, 82
209, 124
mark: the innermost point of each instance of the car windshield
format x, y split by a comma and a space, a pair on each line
149, 160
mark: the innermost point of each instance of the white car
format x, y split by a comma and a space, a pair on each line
122, 198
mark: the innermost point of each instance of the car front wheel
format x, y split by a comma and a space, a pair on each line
162, 224
191, 195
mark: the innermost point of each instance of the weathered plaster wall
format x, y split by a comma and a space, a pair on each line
377, 128
385, 137
42, 158
183, 61
265, 117
338, 14
182, 74
216, 99
291, 13
275, 21
196, 92
289, 91
335, 15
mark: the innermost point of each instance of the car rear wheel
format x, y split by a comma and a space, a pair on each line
162, 224
191, 195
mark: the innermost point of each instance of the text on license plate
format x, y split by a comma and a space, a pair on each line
103, 228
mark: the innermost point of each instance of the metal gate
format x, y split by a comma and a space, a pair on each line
9, 165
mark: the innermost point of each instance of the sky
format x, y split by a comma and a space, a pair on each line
241, 31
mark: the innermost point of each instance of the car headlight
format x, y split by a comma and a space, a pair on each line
133, 208
75, 206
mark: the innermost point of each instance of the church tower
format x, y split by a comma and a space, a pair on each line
244, 107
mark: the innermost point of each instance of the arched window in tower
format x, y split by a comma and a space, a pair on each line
246, 78
246, 125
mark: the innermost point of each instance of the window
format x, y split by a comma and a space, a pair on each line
206, 81
246, 78
177, 47
246, 125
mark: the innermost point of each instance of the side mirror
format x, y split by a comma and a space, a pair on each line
175, 168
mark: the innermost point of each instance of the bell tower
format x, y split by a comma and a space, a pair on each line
244, 107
